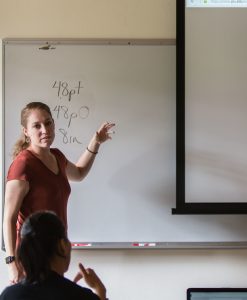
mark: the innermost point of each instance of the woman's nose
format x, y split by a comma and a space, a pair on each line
44, 128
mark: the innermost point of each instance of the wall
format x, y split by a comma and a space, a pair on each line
128, 274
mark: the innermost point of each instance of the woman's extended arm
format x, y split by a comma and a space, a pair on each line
76, 172
14, 193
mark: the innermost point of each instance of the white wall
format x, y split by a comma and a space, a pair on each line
128, 274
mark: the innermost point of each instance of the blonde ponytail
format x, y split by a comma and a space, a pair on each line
21, 144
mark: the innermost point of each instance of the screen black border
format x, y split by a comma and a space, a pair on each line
183, 207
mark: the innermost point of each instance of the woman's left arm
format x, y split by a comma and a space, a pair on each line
78, 171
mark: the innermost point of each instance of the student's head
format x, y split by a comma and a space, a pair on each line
44, 246
37, 127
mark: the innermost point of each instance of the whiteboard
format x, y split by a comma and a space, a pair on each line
127, 199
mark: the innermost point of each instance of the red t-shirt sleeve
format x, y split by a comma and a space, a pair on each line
18, 170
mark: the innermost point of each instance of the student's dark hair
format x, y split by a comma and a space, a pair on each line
22, 143
40, 235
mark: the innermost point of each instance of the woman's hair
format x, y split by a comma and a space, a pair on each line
22, 143
40, 234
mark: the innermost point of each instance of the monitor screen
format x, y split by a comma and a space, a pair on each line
217, 294
216, 3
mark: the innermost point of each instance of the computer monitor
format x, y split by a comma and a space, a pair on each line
217, 294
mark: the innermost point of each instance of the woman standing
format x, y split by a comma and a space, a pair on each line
39, 175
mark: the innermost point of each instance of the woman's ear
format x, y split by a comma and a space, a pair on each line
24, 130
63, 248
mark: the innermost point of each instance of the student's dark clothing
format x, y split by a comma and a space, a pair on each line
55, 287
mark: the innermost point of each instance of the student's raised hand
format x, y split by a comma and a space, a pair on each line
92, 280
104, 132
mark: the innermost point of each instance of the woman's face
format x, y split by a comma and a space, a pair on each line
40, 128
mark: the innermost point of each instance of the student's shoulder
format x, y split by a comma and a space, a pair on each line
75, 290
11, 292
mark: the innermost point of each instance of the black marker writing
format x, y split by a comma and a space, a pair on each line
68, 139
64, 112
63, 89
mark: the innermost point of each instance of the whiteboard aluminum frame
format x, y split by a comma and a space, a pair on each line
48, 44
145, 245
